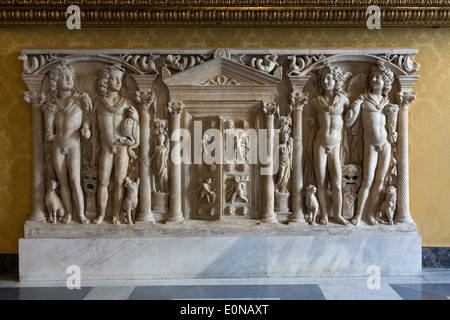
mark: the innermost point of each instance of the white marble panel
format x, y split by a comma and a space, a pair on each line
218, 257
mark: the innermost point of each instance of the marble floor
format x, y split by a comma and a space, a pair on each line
434, 284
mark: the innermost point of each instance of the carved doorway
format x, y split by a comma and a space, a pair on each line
222, 185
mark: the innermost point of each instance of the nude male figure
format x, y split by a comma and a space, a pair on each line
112, 109
64, 131
377, 147
327, 109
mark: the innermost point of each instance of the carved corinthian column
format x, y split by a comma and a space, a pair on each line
146, 100
175, 213
403, 214
268, 206
37, 99
298, 102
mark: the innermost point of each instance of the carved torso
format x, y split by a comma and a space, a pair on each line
374, 119
68, 121
111, 113
329, 117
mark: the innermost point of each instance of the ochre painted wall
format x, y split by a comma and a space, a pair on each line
429, 120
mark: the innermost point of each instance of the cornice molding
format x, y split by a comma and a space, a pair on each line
110, 13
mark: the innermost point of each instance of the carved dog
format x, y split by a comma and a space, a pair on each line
54, 205
311, 203
388, 206
130, 201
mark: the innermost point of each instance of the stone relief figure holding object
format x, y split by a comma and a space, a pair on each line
242, 141
285, 159
206, 190
236, 188
113, 110
377, 138
64, 125
327, 109
160, 157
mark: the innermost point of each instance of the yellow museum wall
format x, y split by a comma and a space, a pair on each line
429, 121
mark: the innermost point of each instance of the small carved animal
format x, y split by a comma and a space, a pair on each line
311, 203
388, 206
54, 205
130, 201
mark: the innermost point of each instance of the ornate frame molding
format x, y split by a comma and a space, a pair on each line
96, 13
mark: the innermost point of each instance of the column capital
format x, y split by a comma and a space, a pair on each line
298, 100
404, 99
175, 108
35, 98
269, 108
146, 98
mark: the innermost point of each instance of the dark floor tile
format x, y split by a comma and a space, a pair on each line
424, 291
47, 293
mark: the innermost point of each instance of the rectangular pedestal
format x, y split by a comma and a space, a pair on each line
219, 256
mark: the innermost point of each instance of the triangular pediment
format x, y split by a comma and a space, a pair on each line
221, 72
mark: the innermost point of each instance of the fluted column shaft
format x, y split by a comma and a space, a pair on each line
403, 214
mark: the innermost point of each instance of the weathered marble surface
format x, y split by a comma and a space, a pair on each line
232, 257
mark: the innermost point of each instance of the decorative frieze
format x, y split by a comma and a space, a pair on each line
283, 137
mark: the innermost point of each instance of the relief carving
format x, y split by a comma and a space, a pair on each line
336, 148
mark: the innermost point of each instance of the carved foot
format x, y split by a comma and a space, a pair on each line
373, 221
52, 220
66, 218
323, 221
116, 219
99, 219
355, 220
83, 219
341, 220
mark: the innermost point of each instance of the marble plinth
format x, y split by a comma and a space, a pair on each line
269, 253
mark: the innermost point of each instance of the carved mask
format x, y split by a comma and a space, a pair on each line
351, 178
90, 180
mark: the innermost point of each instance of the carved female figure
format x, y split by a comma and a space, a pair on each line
377, 147
112, 110
63, 129
327, 109
285, 167
160, 165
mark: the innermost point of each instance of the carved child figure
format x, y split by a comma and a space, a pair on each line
112, 110
207, 191
63, 131
327, 109
377, 140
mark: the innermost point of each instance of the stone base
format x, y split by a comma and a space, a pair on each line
225, 253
